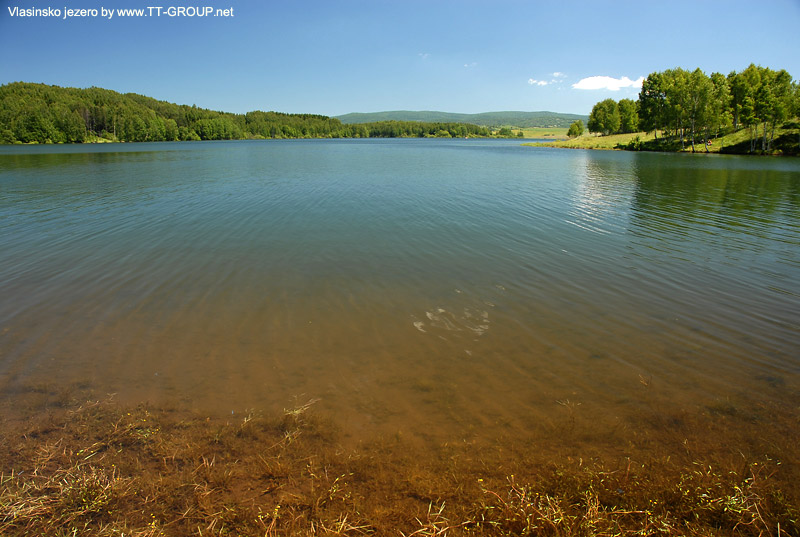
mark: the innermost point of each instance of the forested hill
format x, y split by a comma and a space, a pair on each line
487, 119
38, 113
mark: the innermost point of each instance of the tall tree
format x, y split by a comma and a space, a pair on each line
738, 90
628, 115
779, 107
652, 103
604, 117
698, 96
795, 100
719, 115
676, 88
745, 87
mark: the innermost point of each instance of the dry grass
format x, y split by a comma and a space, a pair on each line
595, 141
103, 470
786, 142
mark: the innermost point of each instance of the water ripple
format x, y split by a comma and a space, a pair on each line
263, 269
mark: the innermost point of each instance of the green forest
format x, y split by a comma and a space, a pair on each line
690, 107
38, 113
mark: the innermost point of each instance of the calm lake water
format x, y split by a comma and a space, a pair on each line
433, 288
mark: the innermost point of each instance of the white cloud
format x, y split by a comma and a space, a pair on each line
424, 55
557, 79
608, 83
473, 64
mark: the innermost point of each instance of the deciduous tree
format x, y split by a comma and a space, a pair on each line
604, 117
628, 115
652, 103
575, 129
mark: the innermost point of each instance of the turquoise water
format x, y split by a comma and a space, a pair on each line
425, 286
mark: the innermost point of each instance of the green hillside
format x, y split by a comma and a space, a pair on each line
39, 113
488, 119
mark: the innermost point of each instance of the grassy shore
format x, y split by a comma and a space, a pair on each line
786, 140
100, 469
554, 133
595, 141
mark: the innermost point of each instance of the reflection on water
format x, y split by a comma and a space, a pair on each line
440, 288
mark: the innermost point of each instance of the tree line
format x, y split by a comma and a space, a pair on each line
39, 113
690, 106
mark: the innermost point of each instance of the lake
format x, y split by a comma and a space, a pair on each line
438, 289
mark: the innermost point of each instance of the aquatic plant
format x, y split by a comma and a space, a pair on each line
100, 469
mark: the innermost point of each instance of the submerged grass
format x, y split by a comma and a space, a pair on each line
100, 469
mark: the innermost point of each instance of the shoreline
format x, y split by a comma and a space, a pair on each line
106, 141
735, 143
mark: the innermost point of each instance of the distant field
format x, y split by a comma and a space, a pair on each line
594, 141
556, 133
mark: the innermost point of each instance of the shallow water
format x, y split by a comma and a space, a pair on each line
438, 289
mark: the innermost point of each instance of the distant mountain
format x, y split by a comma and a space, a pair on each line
487, 119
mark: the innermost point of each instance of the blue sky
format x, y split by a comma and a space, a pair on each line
332, 57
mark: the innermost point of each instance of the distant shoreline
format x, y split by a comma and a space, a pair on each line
103, 141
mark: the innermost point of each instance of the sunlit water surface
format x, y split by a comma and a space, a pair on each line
438, 289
